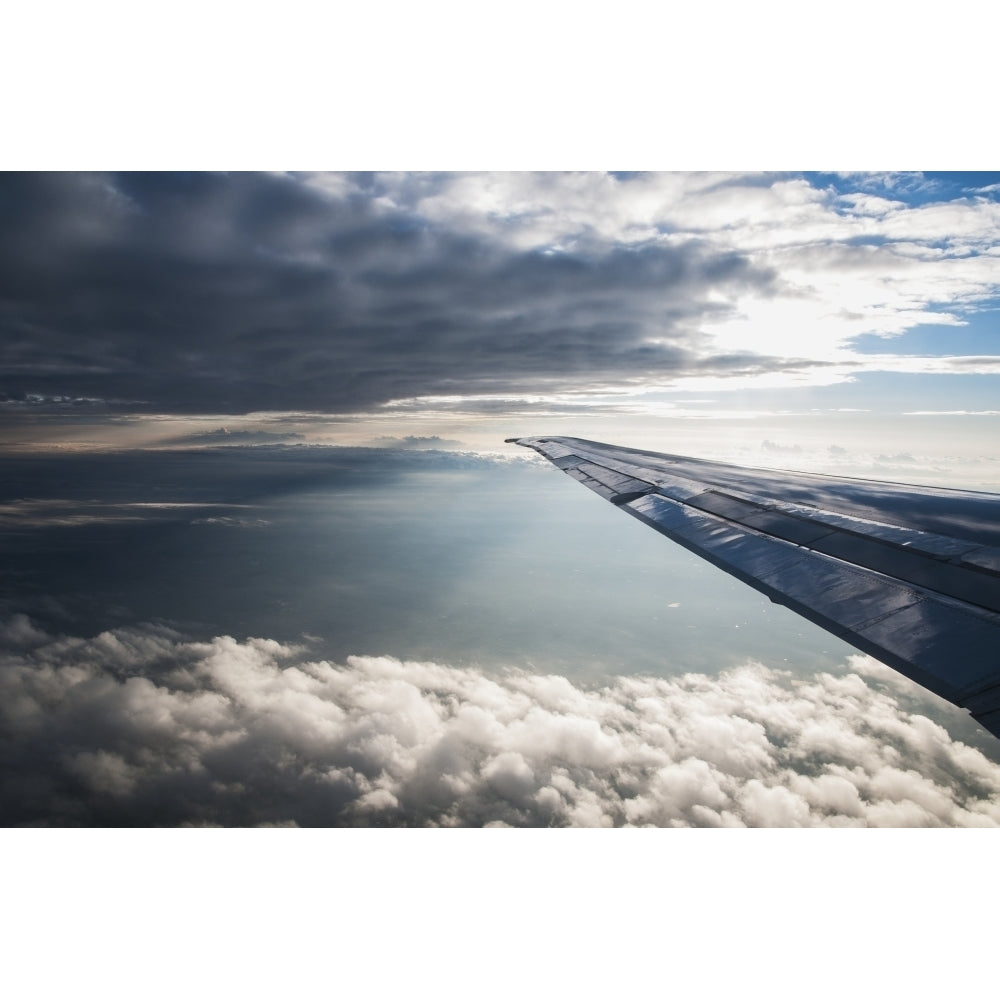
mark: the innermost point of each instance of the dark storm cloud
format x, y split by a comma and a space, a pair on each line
142, 727
242, 292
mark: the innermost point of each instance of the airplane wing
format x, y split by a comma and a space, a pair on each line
909, 574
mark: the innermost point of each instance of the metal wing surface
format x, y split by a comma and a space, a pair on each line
909, 574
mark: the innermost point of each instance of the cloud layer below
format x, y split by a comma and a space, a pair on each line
143, 727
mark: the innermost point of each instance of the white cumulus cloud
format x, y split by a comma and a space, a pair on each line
143, 727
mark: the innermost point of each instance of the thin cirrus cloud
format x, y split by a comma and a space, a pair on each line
142, 726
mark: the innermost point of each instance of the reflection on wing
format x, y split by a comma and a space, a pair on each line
909, 574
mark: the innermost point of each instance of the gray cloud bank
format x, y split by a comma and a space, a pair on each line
212, 293
143, 727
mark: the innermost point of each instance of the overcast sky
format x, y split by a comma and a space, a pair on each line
493, 302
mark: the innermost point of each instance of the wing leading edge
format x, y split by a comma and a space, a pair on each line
909, 574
